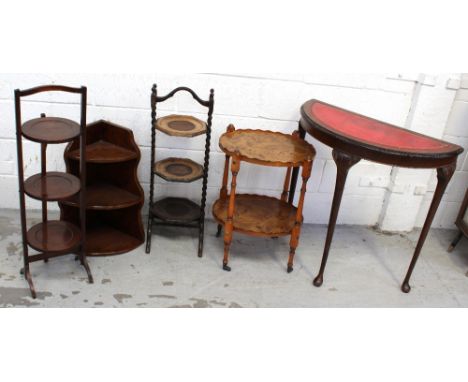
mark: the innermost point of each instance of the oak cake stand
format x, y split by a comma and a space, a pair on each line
172, 210
51, 238
260, 215
114, 195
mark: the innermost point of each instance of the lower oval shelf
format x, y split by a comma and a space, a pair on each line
257, 215
54, 236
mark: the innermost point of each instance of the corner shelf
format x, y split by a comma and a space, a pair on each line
114, 194
104, 152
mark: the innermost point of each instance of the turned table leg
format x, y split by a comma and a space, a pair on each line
296, 231
223, 192
229, 226
343, 162
444, 174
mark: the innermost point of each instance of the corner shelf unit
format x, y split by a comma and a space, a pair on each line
52, 238
114, 195
173, 210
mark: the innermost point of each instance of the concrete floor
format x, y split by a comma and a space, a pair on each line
365, 269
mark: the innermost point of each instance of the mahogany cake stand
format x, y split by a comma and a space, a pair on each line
51, 238
260, 215
354, 137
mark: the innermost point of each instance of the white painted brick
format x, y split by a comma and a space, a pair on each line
457, 125
7, 168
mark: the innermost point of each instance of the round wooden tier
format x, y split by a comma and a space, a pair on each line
52, 187
267, 147
50, 130
176, 210
178, 170
54, 236
257, 215
181, 125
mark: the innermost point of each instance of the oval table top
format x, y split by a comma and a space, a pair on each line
267, 148
374, 140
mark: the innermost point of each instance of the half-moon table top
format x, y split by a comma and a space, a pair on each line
372, 139
267, 148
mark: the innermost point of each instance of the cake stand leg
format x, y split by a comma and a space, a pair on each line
444, 174
149, 233
296, 231
27, 275
229, 226
201, 235
343, 163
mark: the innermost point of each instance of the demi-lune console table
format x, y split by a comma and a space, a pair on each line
354, 137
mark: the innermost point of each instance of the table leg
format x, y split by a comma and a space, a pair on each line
229, 226
296, 231
295, 171
223, 192
444, 174
343, 162
455, 241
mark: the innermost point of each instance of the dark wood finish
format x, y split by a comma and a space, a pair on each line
105, 196
51, 130
114, 195
180, 126
52, 186
104, 152
343, 163
178, 170
354, 136
461, 223
175, 210
53, 238
260, 215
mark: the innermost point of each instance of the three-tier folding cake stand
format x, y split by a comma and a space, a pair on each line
51, 238
173, 210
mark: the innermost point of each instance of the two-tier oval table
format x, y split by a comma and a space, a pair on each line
261, 215
354, 137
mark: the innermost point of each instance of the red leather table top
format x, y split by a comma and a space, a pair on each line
364, 131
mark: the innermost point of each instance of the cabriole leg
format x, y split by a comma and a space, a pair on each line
343, 163
444, 174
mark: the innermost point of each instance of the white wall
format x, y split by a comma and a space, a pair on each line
264, 101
